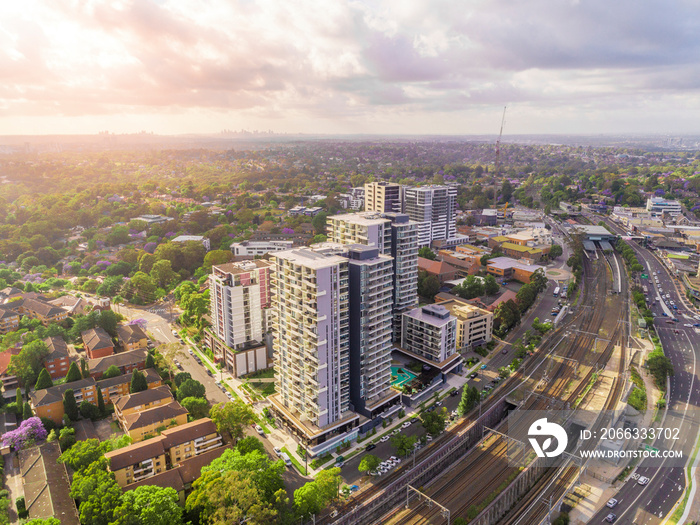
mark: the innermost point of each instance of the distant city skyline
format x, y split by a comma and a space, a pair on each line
349, 67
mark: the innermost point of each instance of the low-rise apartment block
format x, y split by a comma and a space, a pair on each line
131, 337
251, 249
97, 343
146, 423
474, 324
140, 401
126, 362
430, 333
9, 320
40, 309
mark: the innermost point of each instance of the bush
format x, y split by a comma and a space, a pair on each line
22, 511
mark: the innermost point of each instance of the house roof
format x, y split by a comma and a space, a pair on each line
5, 358
100, 364
151, 377
143, 398
167, 479
47, 396
188, 432
57, 348
133, 454
46, 484
96, 338
130, 333
6, 313
154, 415
435, 267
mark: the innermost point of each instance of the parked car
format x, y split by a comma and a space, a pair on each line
454, 393
369, 447
483, 367
259, 430
278, 451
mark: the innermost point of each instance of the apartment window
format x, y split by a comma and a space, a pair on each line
187, 449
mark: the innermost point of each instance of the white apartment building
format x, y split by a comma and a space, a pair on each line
311, 343
252, 249
659, 205
382, 197
239, 293
433, 208
430, 333
368, 228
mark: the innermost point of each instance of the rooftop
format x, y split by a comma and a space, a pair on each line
133, 454
154, 415
504, 263
96, 338
53, 394
143, 398
130, 357
131, 333
187, 432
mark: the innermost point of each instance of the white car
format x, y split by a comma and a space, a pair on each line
259, 430
278, 451
611, 503
643, 480
406, 424
688, 325
384, 439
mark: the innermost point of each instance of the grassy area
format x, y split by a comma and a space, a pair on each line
267, 373
590, 384
262, 389
295, 462
320, 461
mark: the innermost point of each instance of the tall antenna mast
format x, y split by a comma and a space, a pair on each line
498, 158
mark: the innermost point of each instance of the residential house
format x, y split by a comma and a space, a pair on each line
131, 337
73, 305
97, 343
440, 269
58, 359
125, 362
141, 425
48, 402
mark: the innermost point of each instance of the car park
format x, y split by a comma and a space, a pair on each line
611, 502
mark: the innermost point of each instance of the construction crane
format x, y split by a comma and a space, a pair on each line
498, 159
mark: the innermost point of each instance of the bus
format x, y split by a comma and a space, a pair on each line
646, 290
556, 292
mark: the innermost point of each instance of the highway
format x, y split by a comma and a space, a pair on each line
650, 504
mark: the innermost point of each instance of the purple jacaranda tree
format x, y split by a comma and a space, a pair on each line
29, 432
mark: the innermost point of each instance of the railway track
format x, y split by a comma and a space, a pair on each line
465, 486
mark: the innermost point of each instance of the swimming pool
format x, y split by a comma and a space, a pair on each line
401, 375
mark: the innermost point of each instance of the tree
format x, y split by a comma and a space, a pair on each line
428, 285
181, 377
27, 411
491, 285
249, 444
138, 382
191, 388
539, 280
70, 406
162, 273
660, 367
27, 365
18, 396
111, 286
84, 368
84, 453
470, 397
427, 253
403, 443
47, 521
368, 463
108, 321
232, 417
434, 421
44, 380
149, 505
98, 492
88, 410
66, 437
555, 251
150, 363
265, 473
112, 371
27, 434
229, 497
141, 287
215, 258
73, 373
100, 401
197, 407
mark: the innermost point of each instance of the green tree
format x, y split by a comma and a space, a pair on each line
434, 421
100, 401
70, 406
141, 287
491, 285
368, 463
249, 444
98, 493
28, 364
162, 273
27, 411
138, 382
44, 380
111, 286
232, 417
150, 363
84, 368
149, 505
108, 321
181, 377
66, 437
470, 397
428, 285
197, 407
84, 453
18, 397
88, 410
660, 367
555, 251
73, 373
47, 521
427, 253
112, 371
215, 258
403, 443
191, 388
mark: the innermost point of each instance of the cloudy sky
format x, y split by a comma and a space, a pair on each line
342, 66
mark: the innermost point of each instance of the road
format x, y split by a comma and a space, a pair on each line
651, 503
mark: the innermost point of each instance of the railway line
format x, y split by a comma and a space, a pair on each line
465, 487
